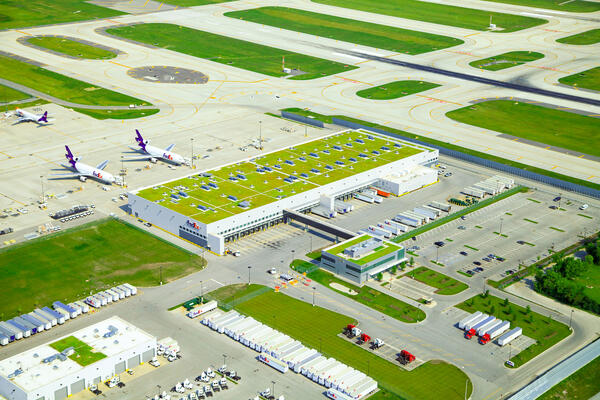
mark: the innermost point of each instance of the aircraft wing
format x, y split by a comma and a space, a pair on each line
68, 175
138, 157
103, 164
170, 147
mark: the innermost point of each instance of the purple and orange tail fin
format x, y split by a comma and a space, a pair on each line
44, 118
70, 157
140, 140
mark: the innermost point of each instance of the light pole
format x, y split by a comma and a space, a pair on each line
224, 359
311, 244
571, 319
192, 140
201, 290
466, 388
314, 290
249, 268
43, 193
273, 382
260, 135
500, 232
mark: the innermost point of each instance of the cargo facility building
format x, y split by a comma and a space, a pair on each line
361, 258
213, 207
59, 369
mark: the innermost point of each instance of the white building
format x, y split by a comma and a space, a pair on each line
44, 373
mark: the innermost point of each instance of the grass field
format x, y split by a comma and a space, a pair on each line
591, 281
71, 47
582, 385
528, 121
561, 5
405, 134
8, 94
117, 114
61, 86
445, 285
506, 60
225, 50
583, 38
372, 298
461, 17
25, 13
84, 354
249, 182
192, 3
432, 380
66, 266
544, 330
348, 30
589, 79
396, 89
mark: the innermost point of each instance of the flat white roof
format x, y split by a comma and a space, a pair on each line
37, 374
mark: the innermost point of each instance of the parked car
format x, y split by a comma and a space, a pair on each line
469, 272
478, 269
486, 259
447, 174
520, 242
557, 198
439, 243
583, 207
463, 253
462, 227
476, 263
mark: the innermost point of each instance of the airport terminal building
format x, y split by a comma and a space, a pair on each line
361, 258
66, 366
223, 204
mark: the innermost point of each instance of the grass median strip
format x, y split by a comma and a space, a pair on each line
348, 30
585, 216
434, 142
444, 284
372, 298
117, 114
530, 220
318, 328
470, 247
506, 60
583, 38
534, 200
71, 47
544, 330
557, 229
442, 14
395, 90
226, 50
529, 121
53, 264
588, 79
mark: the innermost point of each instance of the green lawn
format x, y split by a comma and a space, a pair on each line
591, 280
506, 60
8, 94
581, 385
425, 139
231, 295
84, 354
544, 330
225, 50
117, 114
443, 14
61, 86
375, 299
71, 47
66, 266
192, 3
578, 6
584, 38
445, 284
432, 380
528, 121
589, 79
396, 89
348, 30
25, 13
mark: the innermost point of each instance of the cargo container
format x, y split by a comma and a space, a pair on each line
103, 300
249, 323
3, 340
25, 331
7, 333
499, 330
392, 229
404, 220
337, 395
60, 318
468, 318
423, 218
471, 191
253, 327
281, 352
109, 298
365, 389
40, 326
273, 362
227, 326
276, 349
119, 291
304, 359
400, 227
365, 198
483, 330
132, 288
255, 343
248, 340
325, 379
94, 301
215, 320
69, 310
203, 308
126, 290
243, 336
489, 189
380, 231
510, 336
471, 324
49, 317
17, 333
297, 355
440, 206
425, 212
354, 388
47, 324
26, 324
313, 372
65, 314
209, 318
115, 295
264, 344
433, 210
342, 206
334, 381
304, 368
84, 307
77, 308
351, 381
484, 323
323, 212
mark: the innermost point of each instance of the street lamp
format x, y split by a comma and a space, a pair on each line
43, 193
201, 290
273, 382
260, 135
314, 290
192, 140
224, 359
249, 268
500, 232
571, 319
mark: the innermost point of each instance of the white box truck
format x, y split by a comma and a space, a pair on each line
468, 318
471, 324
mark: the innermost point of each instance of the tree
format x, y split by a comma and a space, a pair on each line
593, 249
492, 309
528, 309
505, 304
380, 277
394, 269
412, 261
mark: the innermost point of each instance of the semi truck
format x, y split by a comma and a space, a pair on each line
392, 229
475, 321
69, 310
273, 362
425, 212
440, 206
510, 336
400, 227
49, 317
365, 198
471, 191
484, 322
484, 327
468, 318
381, 232
406, 220
499, 330
405, 357
60, 318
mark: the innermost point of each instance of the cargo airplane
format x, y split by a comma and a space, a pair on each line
154, 153
26, 116
83, 171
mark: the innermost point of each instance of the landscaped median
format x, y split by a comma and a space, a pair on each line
444, 284
318, 328
543, 329
365, 295
403, 134
71, 47
395, 90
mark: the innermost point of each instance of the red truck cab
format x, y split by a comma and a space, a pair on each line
484, 339
470, 333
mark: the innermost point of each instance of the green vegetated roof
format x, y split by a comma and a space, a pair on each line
233, 189
384, 249
84, 354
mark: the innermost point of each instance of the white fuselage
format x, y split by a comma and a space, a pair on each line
27, 116
155, 152
92, 172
